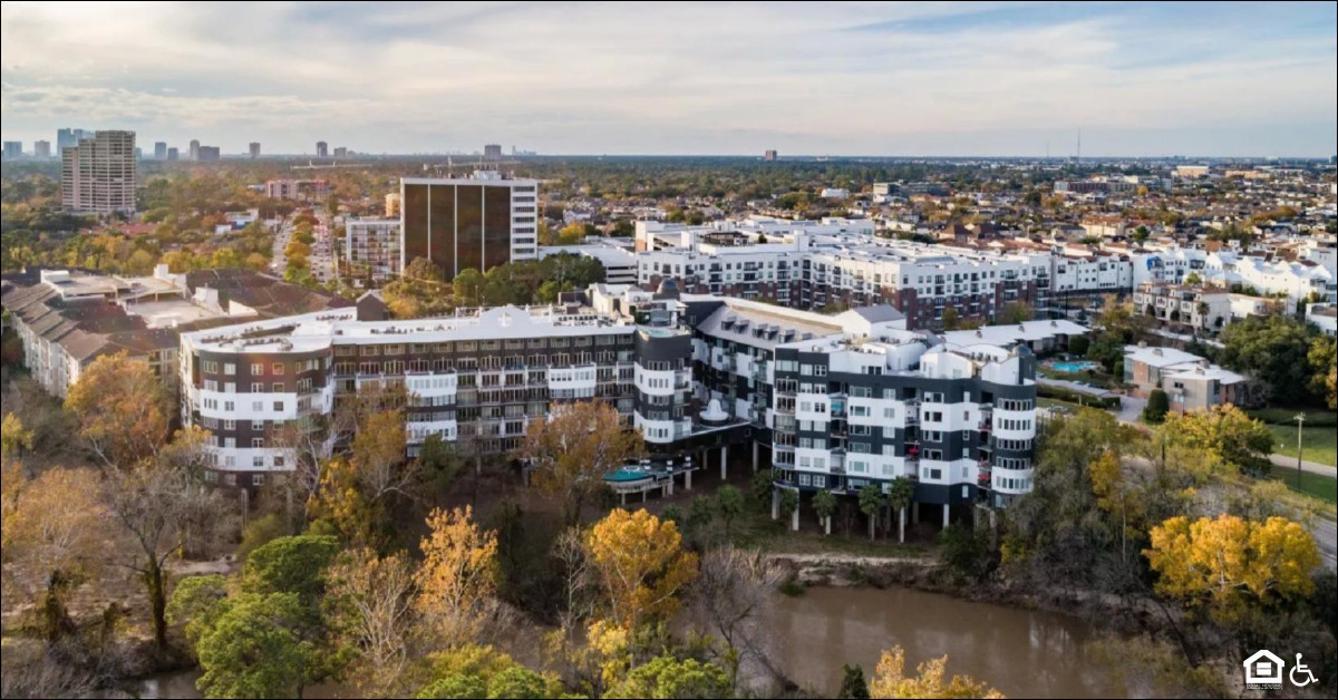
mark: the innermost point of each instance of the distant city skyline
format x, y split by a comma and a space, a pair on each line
979, 79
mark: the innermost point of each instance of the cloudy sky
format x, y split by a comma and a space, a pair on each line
680, 78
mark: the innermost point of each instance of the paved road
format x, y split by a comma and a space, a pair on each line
1306, 465
1325, 532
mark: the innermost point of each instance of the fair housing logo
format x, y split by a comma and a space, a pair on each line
1264, 671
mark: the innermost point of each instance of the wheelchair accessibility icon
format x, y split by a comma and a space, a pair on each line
1300, 675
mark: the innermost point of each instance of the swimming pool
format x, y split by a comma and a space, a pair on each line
624, 475
1073, 366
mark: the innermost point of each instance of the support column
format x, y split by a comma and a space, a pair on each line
947, 510
775, 503
794, 517
755, 448
724, 462
669, 485
643, 494
915, 513
622, 498
687, 480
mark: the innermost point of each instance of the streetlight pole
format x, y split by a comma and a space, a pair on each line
1300, 420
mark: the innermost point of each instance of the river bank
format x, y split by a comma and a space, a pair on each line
926, 574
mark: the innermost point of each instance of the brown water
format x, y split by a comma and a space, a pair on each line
1023, 653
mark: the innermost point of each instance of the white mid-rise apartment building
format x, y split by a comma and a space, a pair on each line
99, 174
372, 248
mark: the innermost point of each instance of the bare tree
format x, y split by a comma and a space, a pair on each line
734, 593
156, 504
370, 602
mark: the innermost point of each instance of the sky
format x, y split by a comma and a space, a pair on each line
902, 79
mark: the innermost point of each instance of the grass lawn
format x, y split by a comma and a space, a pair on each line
1325, 488
1286, 416
1317, 443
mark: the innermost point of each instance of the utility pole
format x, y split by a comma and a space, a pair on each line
1300, 420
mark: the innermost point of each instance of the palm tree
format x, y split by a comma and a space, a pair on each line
899, 495
824, 504
870, 502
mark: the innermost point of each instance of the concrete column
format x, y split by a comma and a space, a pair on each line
724, 462
643, 494
827, 523
947, 510
669, 485
794, 517
755, 448
622, 499
775, 503
687, 480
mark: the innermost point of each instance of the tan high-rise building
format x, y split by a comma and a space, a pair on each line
99, 174
393, 205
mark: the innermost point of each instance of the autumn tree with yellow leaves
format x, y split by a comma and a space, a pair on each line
573, 450
890, 680
1227, 563
458, 575
1222, 439
641, 565
124, 412
54, 524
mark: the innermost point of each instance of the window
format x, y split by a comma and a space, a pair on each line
229, 368
278, 369
278, 406
257, 368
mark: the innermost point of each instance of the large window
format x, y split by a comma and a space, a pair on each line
496, 225
443, 229
469, 227
415, 222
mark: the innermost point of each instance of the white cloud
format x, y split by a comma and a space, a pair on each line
673, 77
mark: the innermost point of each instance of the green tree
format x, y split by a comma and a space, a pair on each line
729, 505
196, 604
951, 319
667, 677
853, 685
900, 494
458, 685
824, 504
468, 286
965, 550
1274, 349
1159, 404
253, 650
1016, 312
518, 682
789, 502
871, 501
1323, 380
760, 488
293, 564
